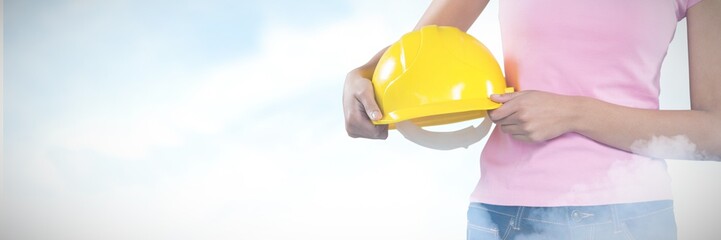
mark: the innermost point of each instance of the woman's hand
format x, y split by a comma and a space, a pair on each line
535, 116
359, 106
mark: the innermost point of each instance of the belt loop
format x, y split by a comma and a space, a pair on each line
516, 223
617, 224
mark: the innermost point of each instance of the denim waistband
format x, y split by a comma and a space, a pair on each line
579, 215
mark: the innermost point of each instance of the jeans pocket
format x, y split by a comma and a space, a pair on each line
483, 224
659, 225
475, 232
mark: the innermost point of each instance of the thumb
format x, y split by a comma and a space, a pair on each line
368, 100
503, 98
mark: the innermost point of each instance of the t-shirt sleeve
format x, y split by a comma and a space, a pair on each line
682, 6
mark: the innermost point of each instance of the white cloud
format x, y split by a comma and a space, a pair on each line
289, 61
313, 190
676, 147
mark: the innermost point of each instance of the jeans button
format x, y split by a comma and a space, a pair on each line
576, 216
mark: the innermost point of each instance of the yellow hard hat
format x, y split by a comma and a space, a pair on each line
436, 75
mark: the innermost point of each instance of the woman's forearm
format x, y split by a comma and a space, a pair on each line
457, 13
677, 134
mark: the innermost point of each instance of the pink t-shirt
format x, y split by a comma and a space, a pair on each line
610, 50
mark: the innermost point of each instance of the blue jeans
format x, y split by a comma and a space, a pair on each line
646, 220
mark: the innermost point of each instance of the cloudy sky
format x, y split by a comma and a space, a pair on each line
215, 119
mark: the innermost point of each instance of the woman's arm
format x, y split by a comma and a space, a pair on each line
359, 105
682, 134
457, 13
